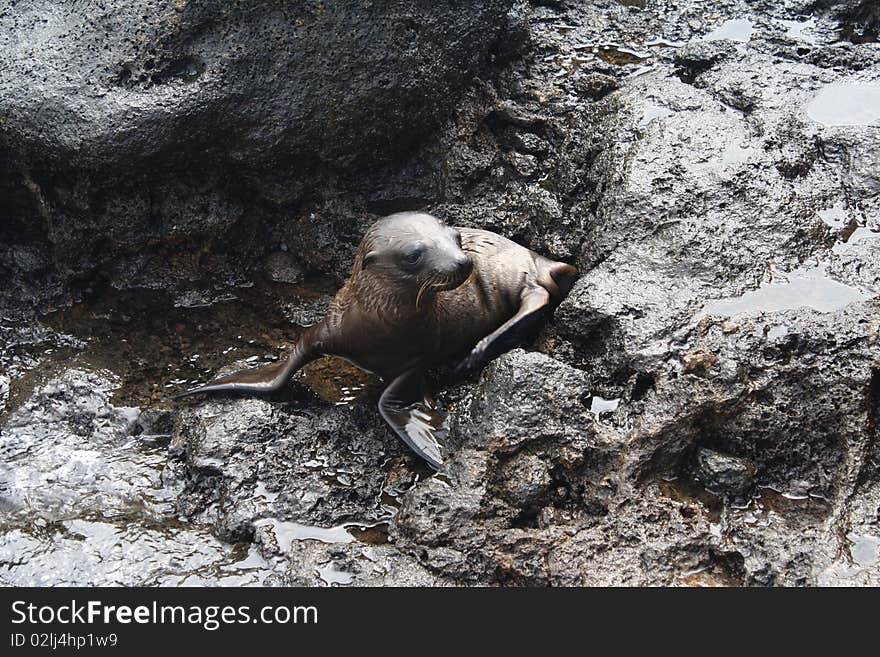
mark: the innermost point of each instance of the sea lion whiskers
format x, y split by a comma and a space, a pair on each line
470, 278
440, 283
429, 284
422, 290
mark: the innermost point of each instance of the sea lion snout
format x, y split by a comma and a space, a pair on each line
449, 259
449, 266
462, 268
462, 263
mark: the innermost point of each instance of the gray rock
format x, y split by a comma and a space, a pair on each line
333, 84
79, 479
861, 17
138, 130
701, 410
525, 481
245, 460
724, 474
282, 268
306, 313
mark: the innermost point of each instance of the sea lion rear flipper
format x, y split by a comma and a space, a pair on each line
509, 334
268, 378
407, 409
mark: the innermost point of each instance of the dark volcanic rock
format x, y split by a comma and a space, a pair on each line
298, 86
702, 409
137, 129
244, 460
861, 18
724, 474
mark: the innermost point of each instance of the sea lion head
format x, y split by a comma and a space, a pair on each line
415, 252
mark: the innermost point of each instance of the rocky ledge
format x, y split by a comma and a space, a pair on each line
703, 409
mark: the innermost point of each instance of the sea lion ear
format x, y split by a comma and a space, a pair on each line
369, 257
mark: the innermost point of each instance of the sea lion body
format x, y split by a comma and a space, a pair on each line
503, 270
391, 337
420, 294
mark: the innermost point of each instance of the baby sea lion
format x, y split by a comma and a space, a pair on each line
421, 293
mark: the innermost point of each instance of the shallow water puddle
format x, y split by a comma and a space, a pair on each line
733, 155
663, 42
286, 532
159, 345
804, 288
836, 216
694, 495
801, 30
857, 566
860, 234
600, 405
846, 104
331, 574
338, 382
652, 112
847, 246
90, 551
864, 549
739, 29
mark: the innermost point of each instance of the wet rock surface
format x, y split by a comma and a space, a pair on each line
83, 500
724, 474
154, 142
703, 409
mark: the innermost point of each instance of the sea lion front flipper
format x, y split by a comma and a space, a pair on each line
407, 409
268, 378
512, 332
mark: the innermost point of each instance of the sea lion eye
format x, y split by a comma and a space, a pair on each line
413, 254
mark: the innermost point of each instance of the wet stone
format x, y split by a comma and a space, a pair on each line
725, 475
525, 480
304, 312
699, 56
168, 176
282, 267
227, 448
722, 335
81, 477
596, 85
